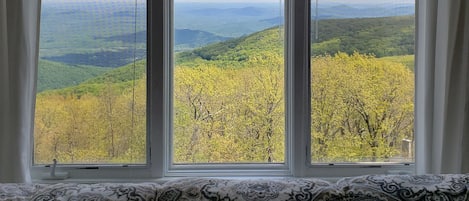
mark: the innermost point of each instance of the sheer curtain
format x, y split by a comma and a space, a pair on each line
19, 37
442, 134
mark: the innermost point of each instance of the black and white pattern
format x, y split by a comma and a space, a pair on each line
243, 189
405, 187
367, 188
95, 192
18, 191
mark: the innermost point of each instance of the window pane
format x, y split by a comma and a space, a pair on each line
228, 82
91, 99
362, 81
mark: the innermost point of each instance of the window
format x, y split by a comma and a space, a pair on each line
232, 88
228, 94
91, 102
362, 81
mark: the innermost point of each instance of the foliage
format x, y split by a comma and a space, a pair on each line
237, 115
123, 74
229, 106
104, 128
54, 75
236, 52
121, 78
241, 120
361, 108
386, 36
187, 39
407, 60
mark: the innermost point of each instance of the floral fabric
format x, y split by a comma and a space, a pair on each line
369, 187
405, 187
18, 191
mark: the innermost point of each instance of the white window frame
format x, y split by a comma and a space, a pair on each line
159, 107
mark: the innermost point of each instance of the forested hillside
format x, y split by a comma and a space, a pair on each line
55, 75
229, 104
345, 35
386, 36
237, 51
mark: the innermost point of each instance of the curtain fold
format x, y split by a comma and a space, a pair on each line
19, 43
442, 138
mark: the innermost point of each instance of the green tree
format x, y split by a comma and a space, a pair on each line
361, 108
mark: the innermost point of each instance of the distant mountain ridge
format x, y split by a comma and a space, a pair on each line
383, 36
350, 11
188, 37
185, 39
55, 75
387, 36
83, 40
244, 11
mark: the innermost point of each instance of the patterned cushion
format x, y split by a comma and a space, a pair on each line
369, 187
405, 187
18, 191
239, 189
101, 191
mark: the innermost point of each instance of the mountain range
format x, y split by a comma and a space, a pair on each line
383, 37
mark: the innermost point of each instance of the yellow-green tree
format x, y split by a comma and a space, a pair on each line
230, 114
361, 108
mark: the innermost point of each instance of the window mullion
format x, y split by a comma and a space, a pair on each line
298, 78
158, 49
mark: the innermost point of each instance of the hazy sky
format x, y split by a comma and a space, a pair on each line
255, 1
320, 1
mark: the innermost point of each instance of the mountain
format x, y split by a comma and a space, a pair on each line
225, 18
106, 58
108, 42
55, 75
244, 11
185, 39
275, 20
384, 36
239, 50
235, 52
182, 37
125, 73
121, 78
358, 11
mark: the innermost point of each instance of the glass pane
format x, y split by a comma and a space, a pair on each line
362, 81
228, 82
91, 98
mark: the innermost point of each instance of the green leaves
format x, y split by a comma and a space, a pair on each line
385, 36
229, 102
362, 108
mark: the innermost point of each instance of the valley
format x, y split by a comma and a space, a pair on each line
228, 87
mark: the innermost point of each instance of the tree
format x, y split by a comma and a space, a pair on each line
230, 114
361, 108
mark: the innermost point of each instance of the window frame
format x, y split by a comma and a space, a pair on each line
228, 169
159, 113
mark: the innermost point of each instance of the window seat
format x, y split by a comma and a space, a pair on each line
369, 187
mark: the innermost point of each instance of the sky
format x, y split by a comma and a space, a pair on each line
320, 1
257, 1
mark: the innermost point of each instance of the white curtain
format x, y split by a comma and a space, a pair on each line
442, 135
19, 39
